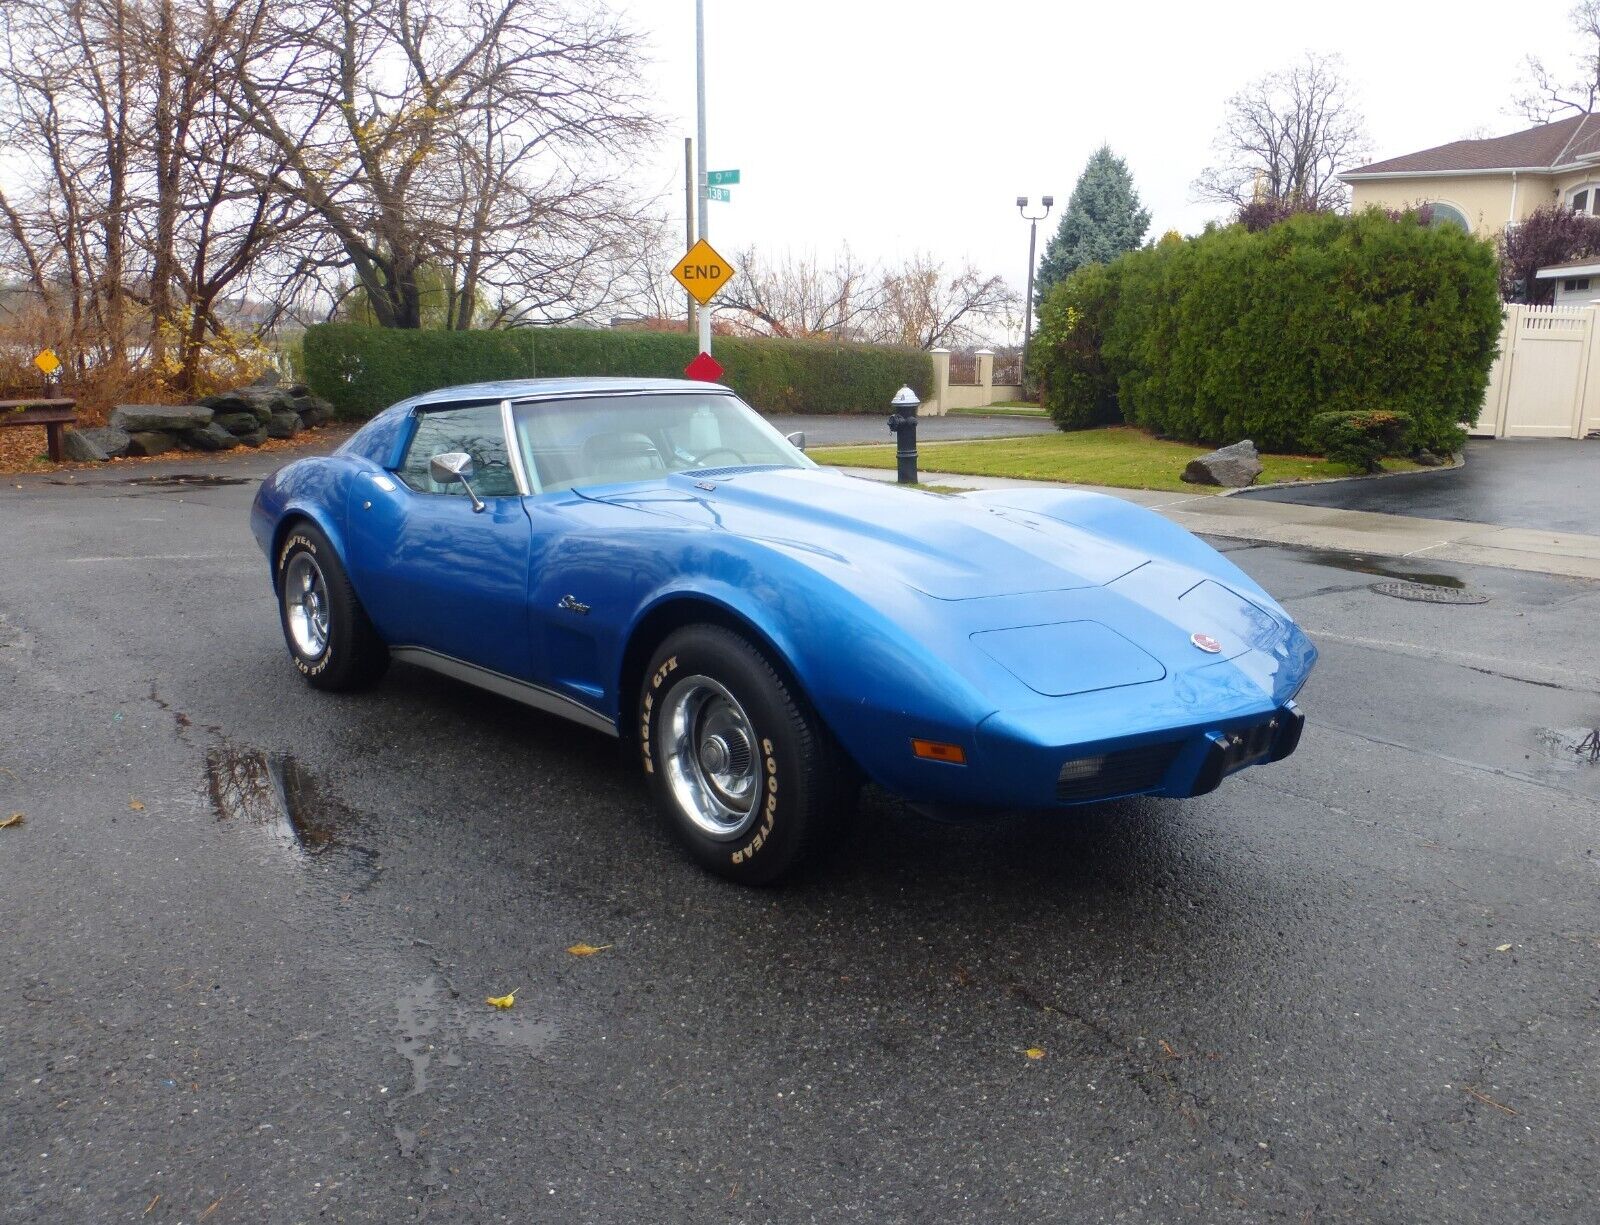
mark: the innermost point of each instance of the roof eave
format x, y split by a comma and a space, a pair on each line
1360, 176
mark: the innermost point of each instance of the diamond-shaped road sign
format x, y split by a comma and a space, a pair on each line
47, 361
703, 272
704, 369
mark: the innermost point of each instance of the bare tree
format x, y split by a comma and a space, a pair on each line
799, 295
1547, 93
1286, 137
922, 305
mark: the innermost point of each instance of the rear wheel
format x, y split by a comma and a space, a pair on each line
330, 638
741, 769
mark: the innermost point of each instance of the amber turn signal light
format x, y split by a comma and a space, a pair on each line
933, 750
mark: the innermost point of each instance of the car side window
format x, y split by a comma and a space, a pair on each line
479, 432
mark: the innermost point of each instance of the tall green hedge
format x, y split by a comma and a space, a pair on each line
362, 370
1234, 335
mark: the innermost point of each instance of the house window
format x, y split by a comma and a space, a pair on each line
1585, 199
1573, 284
1446, 214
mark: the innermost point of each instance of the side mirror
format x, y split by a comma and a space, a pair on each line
796, 439
452, 467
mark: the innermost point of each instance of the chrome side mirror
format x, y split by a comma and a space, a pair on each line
452, 467
796, 439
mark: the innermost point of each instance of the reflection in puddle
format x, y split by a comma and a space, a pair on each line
1360, 563
274, 791
1571, 746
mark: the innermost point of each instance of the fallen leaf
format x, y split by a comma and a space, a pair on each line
587, 950
1034, 1052
1502, 948
136, 805
502, 1001
15, 818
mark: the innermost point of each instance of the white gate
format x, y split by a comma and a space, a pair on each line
1546, 381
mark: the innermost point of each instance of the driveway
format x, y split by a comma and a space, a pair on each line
250, 929
835, 429
1549, 483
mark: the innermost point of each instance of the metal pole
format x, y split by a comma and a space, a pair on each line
1027, 322
700, 152
688, 217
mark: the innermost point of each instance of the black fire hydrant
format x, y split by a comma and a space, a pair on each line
903, 425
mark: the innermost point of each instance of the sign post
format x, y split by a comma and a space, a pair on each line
703, 273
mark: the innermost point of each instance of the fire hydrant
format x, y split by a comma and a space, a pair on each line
903, 425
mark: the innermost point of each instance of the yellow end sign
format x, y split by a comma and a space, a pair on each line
703, 272
47, 361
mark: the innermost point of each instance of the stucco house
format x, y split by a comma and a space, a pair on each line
1484, 185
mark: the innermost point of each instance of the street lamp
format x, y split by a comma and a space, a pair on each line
1033, 236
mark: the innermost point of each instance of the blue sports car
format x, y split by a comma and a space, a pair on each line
651, 559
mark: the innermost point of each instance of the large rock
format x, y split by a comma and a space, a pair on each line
254, 439
113, 442
212, 438
283, 425
82, 449
151, 442
261, 402
147, 418
238, 423
1235, 466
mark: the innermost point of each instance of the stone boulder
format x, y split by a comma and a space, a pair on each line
113, 442
159, 418
1427, 458
283, 425
261, 402
1234, 466
80, 448
212, 438
238, 422
151, 442
254, 439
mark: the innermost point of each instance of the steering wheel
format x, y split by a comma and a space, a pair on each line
702, 460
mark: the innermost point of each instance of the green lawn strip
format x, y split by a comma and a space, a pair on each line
1118, 456
1013, 408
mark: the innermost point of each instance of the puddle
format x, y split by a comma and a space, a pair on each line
1570, 746
1383, 567
172, 480
276, 793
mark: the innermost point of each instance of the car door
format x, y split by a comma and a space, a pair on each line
436, 573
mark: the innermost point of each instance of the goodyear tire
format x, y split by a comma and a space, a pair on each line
331, 641
741, 769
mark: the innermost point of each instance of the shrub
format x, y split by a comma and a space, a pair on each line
1066, 362
1234, 334
362, 370
1360, 438
1551, 234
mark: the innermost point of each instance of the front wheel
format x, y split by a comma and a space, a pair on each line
742, 770
330, 638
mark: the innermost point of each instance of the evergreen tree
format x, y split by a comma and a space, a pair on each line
1103, 220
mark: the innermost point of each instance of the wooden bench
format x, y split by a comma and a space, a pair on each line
54, 415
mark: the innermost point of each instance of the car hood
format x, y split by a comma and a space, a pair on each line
947, 547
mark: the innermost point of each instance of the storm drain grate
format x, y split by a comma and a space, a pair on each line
1427, 593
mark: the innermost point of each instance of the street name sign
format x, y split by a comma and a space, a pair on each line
722, 178
719, 193
703, 272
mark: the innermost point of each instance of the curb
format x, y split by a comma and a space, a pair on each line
1458, 460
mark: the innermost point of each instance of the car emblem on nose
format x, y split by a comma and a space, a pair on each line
1206, 643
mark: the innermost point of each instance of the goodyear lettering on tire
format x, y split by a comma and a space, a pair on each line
769, 809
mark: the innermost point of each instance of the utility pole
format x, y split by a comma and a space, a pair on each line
1033, 236
688, 217
700, 152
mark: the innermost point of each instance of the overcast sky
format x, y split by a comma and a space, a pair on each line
904, 126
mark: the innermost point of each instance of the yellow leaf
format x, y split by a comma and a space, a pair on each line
502, 1001
1503, 948
587, 950
1034, 1052
15, 818
136, 805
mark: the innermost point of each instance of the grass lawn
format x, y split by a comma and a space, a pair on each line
1006, 408
1118, 455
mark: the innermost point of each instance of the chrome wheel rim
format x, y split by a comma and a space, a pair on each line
305, 605
709, 752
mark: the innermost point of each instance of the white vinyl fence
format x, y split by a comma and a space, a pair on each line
1546, 381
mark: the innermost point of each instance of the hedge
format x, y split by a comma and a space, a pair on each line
362, 370
1234, 335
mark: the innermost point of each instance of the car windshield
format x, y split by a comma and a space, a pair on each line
605, 440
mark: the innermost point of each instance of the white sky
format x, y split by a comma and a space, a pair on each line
899, 126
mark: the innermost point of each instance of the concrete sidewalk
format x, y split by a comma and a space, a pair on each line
1569, 554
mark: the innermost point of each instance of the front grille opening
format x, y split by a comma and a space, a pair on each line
1121, 772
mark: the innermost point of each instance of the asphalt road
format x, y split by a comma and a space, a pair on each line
1360, 985
847, 430
1548, 483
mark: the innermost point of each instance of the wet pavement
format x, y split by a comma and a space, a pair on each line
1546, 483
250, 930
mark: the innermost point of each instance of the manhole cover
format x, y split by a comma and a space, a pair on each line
1427, 593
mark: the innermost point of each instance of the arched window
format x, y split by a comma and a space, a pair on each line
1585, 199
1447, 214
